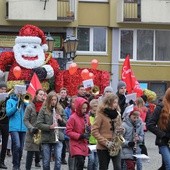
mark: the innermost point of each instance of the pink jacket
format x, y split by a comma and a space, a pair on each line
75, 127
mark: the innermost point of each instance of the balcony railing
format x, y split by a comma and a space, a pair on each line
132, 10
65, 10
54, 10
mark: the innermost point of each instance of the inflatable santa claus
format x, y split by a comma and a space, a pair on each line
29, 55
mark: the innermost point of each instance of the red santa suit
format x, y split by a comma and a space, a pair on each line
29, 56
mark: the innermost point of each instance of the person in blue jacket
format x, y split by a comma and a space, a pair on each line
15, 108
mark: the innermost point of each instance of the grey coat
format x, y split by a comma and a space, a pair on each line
45, 120
127, 152
30, 120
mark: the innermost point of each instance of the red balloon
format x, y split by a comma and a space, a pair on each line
91, 75
17, 72
85, 74
94, 64
72, 68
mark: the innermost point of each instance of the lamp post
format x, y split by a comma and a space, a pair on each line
50, 42
70, 47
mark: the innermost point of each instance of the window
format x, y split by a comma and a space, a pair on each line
126, 43
144, 45
162, 46
150, 45
92, 39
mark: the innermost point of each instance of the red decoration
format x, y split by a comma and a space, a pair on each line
17, 72
91, 75
85, 74
94, 64
63, 79
72, 68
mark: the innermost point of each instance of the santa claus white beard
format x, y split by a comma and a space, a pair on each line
29, 61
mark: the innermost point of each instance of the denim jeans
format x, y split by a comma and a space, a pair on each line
17, 139
165, 152
47, 150
139, 164
29, 158
93, 162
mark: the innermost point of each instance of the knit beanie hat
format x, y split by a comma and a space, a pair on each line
3, 84
121, 84
108, 89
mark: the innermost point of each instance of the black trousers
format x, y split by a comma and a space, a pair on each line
79, 162
4, 128
29, 158
104, 159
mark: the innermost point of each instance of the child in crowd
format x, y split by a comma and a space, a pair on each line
78, 130
93, 158
133, 136
106, 127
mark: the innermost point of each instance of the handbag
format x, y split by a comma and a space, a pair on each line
37, 137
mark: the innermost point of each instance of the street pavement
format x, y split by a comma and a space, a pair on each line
153, 164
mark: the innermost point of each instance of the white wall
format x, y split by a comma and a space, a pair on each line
32, 10
157, 11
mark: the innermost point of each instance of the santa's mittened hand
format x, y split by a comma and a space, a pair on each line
41, 72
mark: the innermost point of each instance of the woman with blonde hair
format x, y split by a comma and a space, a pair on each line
51, 115
107, 125
159, 124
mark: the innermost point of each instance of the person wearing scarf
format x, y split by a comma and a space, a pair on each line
30, 120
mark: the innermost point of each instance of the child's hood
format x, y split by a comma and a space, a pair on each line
79, 101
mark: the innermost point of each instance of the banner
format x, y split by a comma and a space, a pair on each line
129, 78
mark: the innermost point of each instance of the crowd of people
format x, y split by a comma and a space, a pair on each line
92, 125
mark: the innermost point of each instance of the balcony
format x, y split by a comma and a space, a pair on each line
41, 10
143, 11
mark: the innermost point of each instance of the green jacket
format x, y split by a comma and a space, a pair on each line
92, 139
45, 120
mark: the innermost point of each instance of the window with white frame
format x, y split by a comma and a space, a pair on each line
126, 43
151, 45
92, 39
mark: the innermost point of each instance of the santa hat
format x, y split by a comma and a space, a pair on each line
32, 34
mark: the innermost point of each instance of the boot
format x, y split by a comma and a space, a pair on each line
37, 164
3, 166
8, 152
